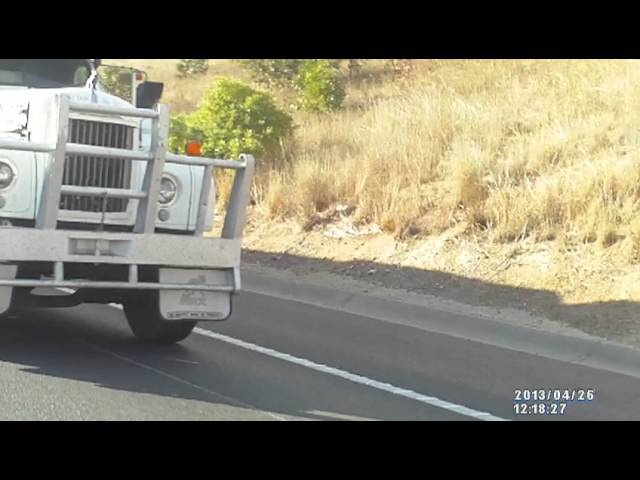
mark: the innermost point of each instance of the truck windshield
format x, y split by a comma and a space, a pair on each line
48, 73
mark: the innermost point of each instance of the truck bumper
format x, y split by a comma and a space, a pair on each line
165, 251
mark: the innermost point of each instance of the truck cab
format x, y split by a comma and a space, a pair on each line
94, 206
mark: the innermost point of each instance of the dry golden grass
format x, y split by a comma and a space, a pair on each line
544, 149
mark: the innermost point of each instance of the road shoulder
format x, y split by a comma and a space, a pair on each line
504, 327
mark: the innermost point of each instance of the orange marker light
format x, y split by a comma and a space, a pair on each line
194, 149
139, 76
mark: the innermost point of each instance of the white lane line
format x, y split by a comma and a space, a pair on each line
386, 387
352, 377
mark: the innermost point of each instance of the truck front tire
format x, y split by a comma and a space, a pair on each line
148, 325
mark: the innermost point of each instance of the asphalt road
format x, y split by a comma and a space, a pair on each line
278, 360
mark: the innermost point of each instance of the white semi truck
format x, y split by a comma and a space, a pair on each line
94, 209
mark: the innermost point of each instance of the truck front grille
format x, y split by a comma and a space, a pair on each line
88, 171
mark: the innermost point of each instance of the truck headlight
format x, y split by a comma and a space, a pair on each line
168, 190
7, 175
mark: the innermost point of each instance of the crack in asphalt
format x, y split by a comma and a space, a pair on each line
180, 380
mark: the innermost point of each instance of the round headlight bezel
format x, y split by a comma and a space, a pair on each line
176, 190
14, 172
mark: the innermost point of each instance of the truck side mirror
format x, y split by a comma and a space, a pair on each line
148, 94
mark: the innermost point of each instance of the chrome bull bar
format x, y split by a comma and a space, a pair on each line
145, 220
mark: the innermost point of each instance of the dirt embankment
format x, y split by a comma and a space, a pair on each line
586, 288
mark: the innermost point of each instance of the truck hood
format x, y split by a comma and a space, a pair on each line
23, 96
21, 106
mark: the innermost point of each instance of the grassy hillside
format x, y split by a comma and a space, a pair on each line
511, 149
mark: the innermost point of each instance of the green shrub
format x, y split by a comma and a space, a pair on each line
233, 118
273, 72
116, 81
284, 72
188, 67
320, 85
